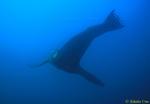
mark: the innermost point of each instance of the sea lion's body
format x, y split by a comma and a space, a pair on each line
69, 56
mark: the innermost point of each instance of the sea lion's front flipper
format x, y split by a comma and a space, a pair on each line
90, 77
39, 65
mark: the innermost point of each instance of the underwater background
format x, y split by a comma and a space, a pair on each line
31, 29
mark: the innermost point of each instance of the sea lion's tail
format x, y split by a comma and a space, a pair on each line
90, 77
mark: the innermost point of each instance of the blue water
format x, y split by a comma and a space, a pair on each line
31, 29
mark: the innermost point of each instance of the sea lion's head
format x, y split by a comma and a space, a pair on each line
53, 56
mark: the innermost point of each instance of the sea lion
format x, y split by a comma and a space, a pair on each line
69, 56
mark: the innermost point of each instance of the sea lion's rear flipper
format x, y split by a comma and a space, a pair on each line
112, 22
74, 49
90, 77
